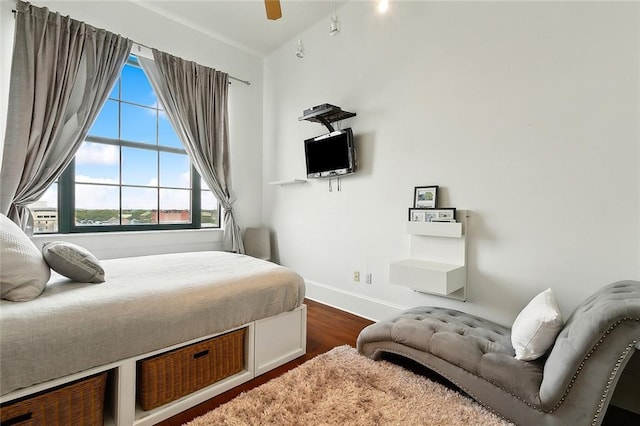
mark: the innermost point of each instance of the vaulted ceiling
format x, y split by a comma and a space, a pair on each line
243, 23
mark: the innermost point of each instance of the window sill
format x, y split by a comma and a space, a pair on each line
109, 245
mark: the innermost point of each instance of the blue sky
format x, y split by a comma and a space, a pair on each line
100, 163
141, 121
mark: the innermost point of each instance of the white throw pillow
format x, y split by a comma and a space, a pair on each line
73, 262
23, 271
536, 326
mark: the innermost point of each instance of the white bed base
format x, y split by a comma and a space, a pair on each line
269, 343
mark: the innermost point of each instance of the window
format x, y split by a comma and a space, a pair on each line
130, 173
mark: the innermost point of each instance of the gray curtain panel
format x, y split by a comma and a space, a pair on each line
195, 100
61, 74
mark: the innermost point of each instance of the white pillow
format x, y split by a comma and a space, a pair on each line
23, 271
73, 262
536, 326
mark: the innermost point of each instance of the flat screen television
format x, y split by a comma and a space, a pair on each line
330, 155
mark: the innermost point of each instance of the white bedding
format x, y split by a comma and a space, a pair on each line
147, 303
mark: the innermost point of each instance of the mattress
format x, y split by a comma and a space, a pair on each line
147, 303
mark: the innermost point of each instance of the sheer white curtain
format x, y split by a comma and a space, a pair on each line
195, 99
61, 74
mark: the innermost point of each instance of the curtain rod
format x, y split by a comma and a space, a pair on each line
247, 82
150, 56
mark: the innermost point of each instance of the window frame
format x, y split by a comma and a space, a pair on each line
67, 186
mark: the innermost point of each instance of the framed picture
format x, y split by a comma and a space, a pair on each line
425, 197
432, 215
418, 215
445, 214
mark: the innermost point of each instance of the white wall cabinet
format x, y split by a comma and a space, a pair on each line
437, 263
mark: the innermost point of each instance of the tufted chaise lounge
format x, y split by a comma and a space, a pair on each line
570, 385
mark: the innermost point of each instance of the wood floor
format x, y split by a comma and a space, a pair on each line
327, 328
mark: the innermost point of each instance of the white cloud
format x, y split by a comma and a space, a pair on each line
106, 197
89, 179
95, 153
208, 201
174, 199
96, 197
48, 200
185, 178
139, 198
156, 107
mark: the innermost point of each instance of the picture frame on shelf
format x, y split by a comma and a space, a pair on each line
432, 215
418, 215
444, 214
425, 197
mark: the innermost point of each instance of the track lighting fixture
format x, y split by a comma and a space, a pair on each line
335, 24
300, 49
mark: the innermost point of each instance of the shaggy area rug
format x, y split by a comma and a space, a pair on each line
342, 387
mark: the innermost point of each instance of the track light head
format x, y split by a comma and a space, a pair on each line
300, 49
335, 26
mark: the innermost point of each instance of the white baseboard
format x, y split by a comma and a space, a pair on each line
354, 303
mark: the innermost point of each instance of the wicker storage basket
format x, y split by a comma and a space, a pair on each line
78, 403
172, 375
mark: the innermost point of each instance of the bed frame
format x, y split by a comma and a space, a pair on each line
269, 343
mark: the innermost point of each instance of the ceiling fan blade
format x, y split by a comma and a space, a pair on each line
273, 9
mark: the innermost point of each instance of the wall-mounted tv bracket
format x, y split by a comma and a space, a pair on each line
326, 114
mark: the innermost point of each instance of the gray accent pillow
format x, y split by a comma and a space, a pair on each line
23, 271
73, 262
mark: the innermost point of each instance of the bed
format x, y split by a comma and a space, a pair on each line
148, 305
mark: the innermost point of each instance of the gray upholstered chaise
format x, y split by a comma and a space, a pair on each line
571, 385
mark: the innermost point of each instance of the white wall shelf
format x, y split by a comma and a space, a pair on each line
437, 263
428, 276
326, 114
435, 229
288, 182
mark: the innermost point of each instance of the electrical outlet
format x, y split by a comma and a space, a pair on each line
356, 276
369, 278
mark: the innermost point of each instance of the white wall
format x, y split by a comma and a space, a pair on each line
245, 102
526, 114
